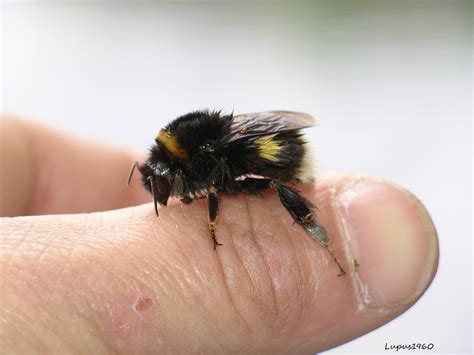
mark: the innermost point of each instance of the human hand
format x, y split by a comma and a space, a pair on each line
126, 281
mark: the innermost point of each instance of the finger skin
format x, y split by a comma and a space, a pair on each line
44, 171
127, 281
17, 172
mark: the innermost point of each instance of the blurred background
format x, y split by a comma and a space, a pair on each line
388, 81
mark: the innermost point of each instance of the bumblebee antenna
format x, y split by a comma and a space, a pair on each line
153, 191
130, 174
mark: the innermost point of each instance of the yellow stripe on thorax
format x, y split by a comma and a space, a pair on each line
171, 144
268, 148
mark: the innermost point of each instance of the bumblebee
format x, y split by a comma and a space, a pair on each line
205, 153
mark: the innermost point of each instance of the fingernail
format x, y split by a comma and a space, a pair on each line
391, 237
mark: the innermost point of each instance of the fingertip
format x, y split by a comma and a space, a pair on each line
387, 244
391, 236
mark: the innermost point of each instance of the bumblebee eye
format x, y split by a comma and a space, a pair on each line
161, 169
206, 147
162, 172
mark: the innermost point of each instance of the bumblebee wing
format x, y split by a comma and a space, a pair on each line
259, 124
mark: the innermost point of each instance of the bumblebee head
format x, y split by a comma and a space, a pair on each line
156, 180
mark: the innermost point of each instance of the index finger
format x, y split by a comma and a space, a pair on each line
45, 171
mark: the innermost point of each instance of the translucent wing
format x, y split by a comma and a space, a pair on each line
259, 124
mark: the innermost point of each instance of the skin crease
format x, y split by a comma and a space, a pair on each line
126, 281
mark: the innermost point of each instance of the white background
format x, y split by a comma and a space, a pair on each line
389, 82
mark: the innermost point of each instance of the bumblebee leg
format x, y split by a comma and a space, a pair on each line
153, 192
300, 209
213, 209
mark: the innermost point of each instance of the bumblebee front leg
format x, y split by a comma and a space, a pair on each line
300, 209
213, 209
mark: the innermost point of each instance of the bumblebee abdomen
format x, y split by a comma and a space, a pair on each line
284, 157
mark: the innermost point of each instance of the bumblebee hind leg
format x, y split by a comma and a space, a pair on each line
213, 209
300, 209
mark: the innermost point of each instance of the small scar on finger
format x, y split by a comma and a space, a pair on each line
142, 304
